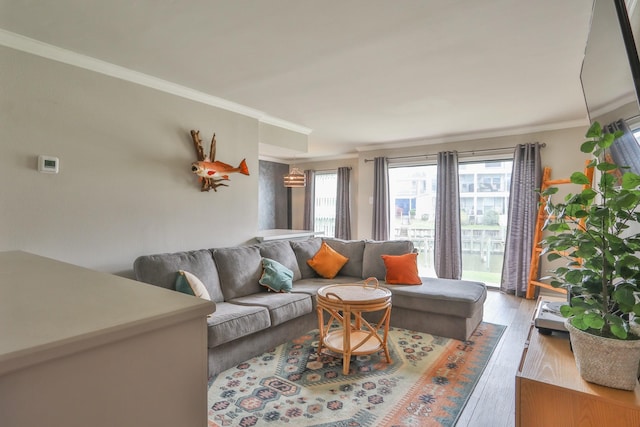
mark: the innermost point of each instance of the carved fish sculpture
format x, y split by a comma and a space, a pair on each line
217, 170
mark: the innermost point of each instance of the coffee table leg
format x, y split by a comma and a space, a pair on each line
320, 328
386, 334
346, 356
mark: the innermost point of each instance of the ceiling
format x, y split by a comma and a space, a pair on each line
359, 74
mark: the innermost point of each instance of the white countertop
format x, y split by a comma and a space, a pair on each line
282, 234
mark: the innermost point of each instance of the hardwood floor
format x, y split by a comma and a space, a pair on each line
492, 403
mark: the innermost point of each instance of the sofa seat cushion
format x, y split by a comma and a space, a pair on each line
461, 298
281, 306
232, 321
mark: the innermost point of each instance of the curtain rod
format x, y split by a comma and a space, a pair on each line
472, 152
330, 170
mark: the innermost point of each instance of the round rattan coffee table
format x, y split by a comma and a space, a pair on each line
346, 331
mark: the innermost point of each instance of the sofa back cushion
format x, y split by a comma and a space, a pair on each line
305, 250
352, 249
239, 269
327, 262
372, 263
282, 252
162, 270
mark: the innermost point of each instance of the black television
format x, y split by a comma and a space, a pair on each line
610, 74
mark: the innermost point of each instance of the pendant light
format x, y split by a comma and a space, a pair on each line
295, 178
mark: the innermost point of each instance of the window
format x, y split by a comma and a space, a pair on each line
484, 202
412, 213
326, 186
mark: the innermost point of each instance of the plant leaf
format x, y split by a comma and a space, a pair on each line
595, 130
630, 181
606, 166
553, 256
579, 178
588, 146
619, 331
578, 322
606, 140
594, 321
566, 310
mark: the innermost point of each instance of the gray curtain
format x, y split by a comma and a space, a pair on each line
625, 151
343, 202
309, 200
380, 229
526, 179
448, 249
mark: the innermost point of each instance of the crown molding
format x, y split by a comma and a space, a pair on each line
474, 136
55, 53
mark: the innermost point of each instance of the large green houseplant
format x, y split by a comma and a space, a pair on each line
596, 232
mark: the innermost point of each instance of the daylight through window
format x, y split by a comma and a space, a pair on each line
484, 204
326, 184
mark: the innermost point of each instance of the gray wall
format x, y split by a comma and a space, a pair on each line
273, 200
125, 187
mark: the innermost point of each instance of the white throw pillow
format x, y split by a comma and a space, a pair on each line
196, 285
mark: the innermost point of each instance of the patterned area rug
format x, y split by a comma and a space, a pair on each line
427, 384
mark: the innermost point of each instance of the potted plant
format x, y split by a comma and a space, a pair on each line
593, 231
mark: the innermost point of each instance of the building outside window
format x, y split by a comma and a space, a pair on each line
484, 204
326, 187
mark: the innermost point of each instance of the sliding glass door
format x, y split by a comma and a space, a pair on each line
412, 197
484, 203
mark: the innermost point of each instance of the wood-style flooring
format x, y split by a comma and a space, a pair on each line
492, 403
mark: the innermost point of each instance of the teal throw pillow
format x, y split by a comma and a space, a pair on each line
275, 276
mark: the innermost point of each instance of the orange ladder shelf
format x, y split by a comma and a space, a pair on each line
537, 236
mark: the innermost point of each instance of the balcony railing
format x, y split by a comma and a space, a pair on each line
326, 225
482, 251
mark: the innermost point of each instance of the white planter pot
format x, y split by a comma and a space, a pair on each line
605, 361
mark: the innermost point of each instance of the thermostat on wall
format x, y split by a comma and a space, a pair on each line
48, 164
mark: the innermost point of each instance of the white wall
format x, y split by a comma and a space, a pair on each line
125, 187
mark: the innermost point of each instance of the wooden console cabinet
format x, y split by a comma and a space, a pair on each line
81, 348
550, 391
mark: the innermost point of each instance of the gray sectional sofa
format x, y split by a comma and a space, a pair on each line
249, 319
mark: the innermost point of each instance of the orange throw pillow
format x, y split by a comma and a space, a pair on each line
402, 269
327, 262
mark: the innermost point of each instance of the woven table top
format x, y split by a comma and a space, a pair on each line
354, 293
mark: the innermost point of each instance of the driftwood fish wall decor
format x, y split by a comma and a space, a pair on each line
210, 172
